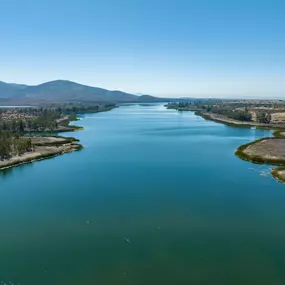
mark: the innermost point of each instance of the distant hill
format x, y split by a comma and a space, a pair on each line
148, 98
67, 91
8, 90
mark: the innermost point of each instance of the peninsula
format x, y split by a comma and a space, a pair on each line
39, 148
25, 133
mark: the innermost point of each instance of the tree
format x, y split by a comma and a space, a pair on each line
263, 117
21, 126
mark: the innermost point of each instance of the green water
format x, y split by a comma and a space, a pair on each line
156, 197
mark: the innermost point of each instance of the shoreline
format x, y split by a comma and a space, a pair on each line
44, 148
235, 123
37, 158
250, 152
278, 172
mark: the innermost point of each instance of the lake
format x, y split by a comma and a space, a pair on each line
155, 197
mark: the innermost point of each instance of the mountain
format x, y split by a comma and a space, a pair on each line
8, 90
67, 91
149, 98
63, 90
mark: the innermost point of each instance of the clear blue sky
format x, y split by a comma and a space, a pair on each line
159, 47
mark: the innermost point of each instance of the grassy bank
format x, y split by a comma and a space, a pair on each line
279, 172
258, 159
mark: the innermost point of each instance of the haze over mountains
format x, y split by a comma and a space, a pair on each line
66, 91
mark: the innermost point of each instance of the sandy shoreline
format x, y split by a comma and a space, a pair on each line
44, 147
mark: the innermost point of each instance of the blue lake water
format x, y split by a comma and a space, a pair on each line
155, 197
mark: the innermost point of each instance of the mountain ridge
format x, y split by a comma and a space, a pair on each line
67, 91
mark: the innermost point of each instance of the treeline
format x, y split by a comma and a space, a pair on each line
263, 117
233, 110
16, 121
192, 104
213, 107
42, 123
181, 106
43, 118
11, 144
236, 114
77, 109
241, 114
19, 120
